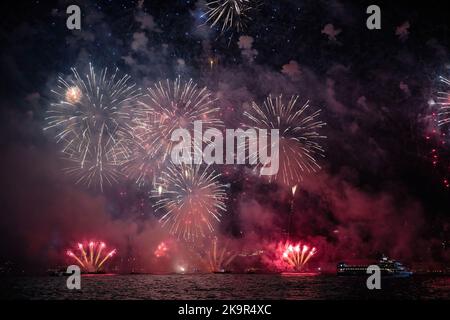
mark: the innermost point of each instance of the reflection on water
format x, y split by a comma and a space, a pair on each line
223, 286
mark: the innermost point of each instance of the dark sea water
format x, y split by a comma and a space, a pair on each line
223, 286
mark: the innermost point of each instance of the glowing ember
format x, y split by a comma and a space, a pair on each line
161, 250
73, 95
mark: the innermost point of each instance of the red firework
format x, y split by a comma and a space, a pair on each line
92, 259
161, 250
294, 256
438, 134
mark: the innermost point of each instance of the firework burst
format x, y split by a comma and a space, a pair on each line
440, 129
91, 121
299, 145
142, 163
229, 14
443, 100
191, 200
93, 259
167, 106
295, 255
161, 250
216, 258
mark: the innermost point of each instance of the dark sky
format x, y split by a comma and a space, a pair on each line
377, 192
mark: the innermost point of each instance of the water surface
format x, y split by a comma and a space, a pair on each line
223, 286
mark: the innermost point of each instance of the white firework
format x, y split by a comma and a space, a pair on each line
299, 145
167, 106
443, 100
91, 120
191, 199
229, 14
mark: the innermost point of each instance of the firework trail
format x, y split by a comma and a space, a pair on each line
299, 144
141, 165
91, 119
229, 14
191, 200
439, 131
93, 260
167, 106
216, 258
296, 255
443, 100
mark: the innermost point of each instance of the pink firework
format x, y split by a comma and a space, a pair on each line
439, 129
294, 256
91, 257
161, 250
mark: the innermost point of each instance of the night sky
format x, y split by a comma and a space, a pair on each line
378, 191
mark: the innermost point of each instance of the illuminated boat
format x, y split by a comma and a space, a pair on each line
388, 267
